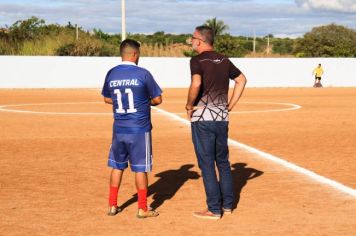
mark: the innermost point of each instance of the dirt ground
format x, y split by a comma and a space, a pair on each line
54, 176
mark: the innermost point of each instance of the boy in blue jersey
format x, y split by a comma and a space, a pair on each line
131, 90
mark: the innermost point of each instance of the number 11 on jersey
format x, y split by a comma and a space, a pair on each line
120, 108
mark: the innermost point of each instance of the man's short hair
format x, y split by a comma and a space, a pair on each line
207, 33
129, 43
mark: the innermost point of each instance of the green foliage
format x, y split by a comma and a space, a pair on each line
85, 47
27, 29
66, 49
218, 26
282, 46
21, 31
6, 48
159, 37
5, 44
327, 41
101, 35
230, 46
190, 53
34, 37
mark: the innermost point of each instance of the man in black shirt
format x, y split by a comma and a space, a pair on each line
207, 109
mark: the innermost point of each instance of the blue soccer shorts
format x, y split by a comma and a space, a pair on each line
133, 149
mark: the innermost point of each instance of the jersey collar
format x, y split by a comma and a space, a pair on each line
128, 63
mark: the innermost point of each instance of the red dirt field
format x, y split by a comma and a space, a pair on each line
54, 179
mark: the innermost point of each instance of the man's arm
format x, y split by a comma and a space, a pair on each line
107, 100
193, 94
240, 83
156, 101
193, 91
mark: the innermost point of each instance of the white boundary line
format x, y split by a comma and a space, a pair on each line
292, 107
3, 108
284, 163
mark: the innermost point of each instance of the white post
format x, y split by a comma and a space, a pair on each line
123, 21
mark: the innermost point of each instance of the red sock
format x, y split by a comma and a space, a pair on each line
142, 199
113, 196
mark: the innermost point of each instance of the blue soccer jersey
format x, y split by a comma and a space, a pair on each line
131, 89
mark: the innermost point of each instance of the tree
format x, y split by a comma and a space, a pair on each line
230, 46
218, 26
327, 41
100, 34
282, 46
27, 29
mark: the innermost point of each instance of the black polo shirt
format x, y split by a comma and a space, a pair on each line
216, 70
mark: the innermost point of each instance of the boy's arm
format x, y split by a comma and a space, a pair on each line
107, 100
156, 101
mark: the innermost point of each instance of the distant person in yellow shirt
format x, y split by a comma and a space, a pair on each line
318, 71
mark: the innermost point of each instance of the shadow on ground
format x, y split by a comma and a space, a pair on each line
167, 185
240, 175
171, 181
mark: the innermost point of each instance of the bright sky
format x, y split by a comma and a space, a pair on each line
278, 17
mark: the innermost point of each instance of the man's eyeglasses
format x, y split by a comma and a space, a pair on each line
198, 38
190, 39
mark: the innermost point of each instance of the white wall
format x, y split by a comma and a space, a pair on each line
297, 72
89, 72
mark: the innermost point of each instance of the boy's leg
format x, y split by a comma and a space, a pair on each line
115, 182
141, 186
118, 161
141, 163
